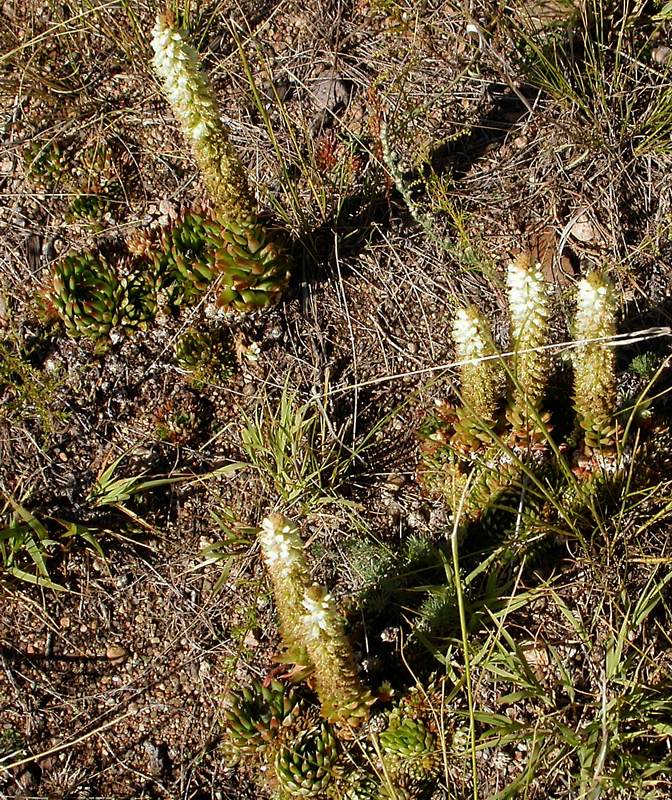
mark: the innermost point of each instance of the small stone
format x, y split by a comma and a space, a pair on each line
116, 653
662, 54
329, 91
583, 229
395, 481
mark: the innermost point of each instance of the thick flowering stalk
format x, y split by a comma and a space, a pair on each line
482, 381
193, 102
343, 698
282, 550
528, 303
595, 362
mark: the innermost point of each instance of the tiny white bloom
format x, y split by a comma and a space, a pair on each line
467, 334
316, 618
278, 546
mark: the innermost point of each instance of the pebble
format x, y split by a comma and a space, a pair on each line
116, 653
330, 91
662, 54
583, 229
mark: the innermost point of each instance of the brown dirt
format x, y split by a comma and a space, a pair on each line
112, 687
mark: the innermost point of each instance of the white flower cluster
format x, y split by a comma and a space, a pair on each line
467, 334
319, 609
280, 545
527, 296
176, 63
595, 308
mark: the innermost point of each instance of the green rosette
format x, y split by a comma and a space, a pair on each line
304, 767
256, 715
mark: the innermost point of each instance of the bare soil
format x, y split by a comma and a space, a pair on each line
112, 688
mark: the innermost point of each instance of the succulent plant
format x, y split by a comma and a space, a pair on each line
96, 163
497, 469
594, 363
410, 749
358, 784
195, 107
472, 455
305, 766
88, 173
247, 267
343, 699
179, 419
207, 355
92, 298
257, 714
182, 258
282, 551
529, 310
46, 162
482, 380
470, 479
88, 207
252, 265
250, 261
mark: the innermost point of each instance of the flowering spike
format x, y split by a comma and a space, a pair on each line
282, 550
482, 381
344, 700
528, 303
193, 102
594, 362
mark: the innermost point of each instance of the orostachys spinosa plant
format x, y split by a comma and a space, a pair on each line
313, 631
311, 740
194, 105
285, 561
595, 363
477, 453
482, 377
95, 298
343, 699
222, 244
251, 264
529, 311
